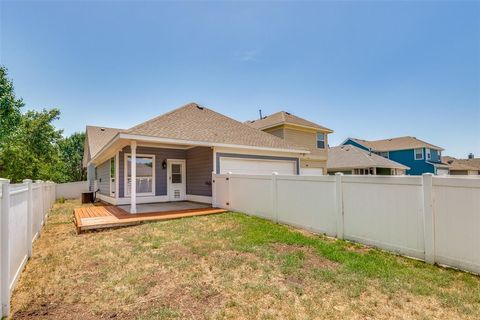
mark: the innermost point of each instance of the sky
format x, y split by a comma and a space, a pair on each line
370, 70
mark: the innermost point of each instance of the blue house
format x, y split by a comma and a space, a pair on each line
420, 156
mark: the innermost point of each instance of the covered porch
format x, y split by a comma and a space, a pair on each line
96, 217
162, 172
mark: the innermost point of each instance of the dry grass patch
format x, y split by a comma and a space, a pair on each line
228, 266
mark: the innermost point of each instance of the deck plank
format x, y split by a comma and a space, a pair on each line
101, 217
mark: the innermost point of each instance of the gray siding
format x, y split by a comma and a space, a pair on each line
160, 173
103, 177
90, 176
199, 171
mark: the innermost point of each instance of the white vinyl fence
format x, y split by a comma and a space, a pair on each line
71, 190
23, 209
432, 218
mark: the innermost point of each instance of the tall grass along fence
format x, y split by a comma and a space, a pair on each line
23, 210
432, 218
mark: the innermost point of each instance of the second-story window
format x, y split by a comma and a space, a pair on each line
320, 140
419, 154
429, 154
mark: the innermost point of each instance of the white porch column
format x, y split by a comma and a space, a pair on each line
133, 190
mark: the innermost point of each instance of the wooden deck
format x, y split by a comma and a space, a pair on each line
100, 217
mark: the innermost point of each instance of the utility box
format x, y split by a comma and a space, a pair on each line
87, 197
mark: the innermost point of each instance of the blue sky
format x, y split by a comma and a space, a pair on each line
370, 70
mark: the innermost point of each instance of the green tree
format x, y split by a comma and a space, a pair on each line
10, 110
31, 151
71, 155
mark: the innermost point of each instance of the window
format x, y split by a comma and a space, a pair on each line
384, 154
145, 171
320, 140
429, 154
112, 177
419, 154
176, 173
112, 168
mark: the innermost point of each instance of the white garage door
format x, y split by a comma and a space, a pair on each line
311, 171
256, 166
442, 172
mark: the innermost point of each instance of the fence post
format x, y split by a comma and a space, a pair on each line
275, 196
29, 215
428, 218
5, 249
339, 203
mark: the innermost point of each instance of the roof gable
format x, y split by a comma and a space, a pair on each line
95, 139
282, 118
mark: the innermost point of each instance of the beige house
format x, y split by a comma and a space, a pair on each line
297, 131
462, 166
349, 159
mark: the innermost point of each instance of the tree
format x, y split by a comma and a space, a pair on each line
10, 110
71, 155
31, 151
30, 145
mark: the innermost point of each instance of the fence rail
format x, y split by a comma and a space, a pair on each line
23, 210
432, 218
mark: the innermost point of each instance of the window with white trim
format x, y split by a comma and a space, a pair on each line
320, 140
384, 154
145, 171
429, 153
419, 154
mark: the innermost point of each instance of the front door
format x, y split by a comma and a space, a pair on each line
176, 180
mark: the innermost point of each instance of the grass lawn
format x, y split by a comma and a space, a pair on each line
228, 266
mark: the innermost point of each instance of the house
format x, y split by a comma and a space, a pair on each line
470, 166
301, 132
349, 159
420, 156
172, 157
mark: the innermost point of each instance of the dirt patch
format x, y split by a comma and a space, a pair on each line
54, 311
311, 260
358, 248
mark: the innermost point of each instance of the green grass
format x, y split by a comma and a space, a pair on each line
229, 266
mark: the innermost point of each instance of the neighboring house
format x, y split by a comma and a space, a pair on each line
349, 159
172, 157
420, 156
462, 166
300, 132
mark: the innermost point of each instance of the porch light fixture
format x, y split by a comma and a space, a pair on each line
164, 164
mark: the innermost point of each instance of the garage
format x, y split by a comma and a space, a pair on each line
257, 166
442, 172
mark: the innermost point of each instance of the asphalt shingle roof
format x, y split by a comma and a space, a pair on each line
283, 117
195, 123
400, 143
349, 157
